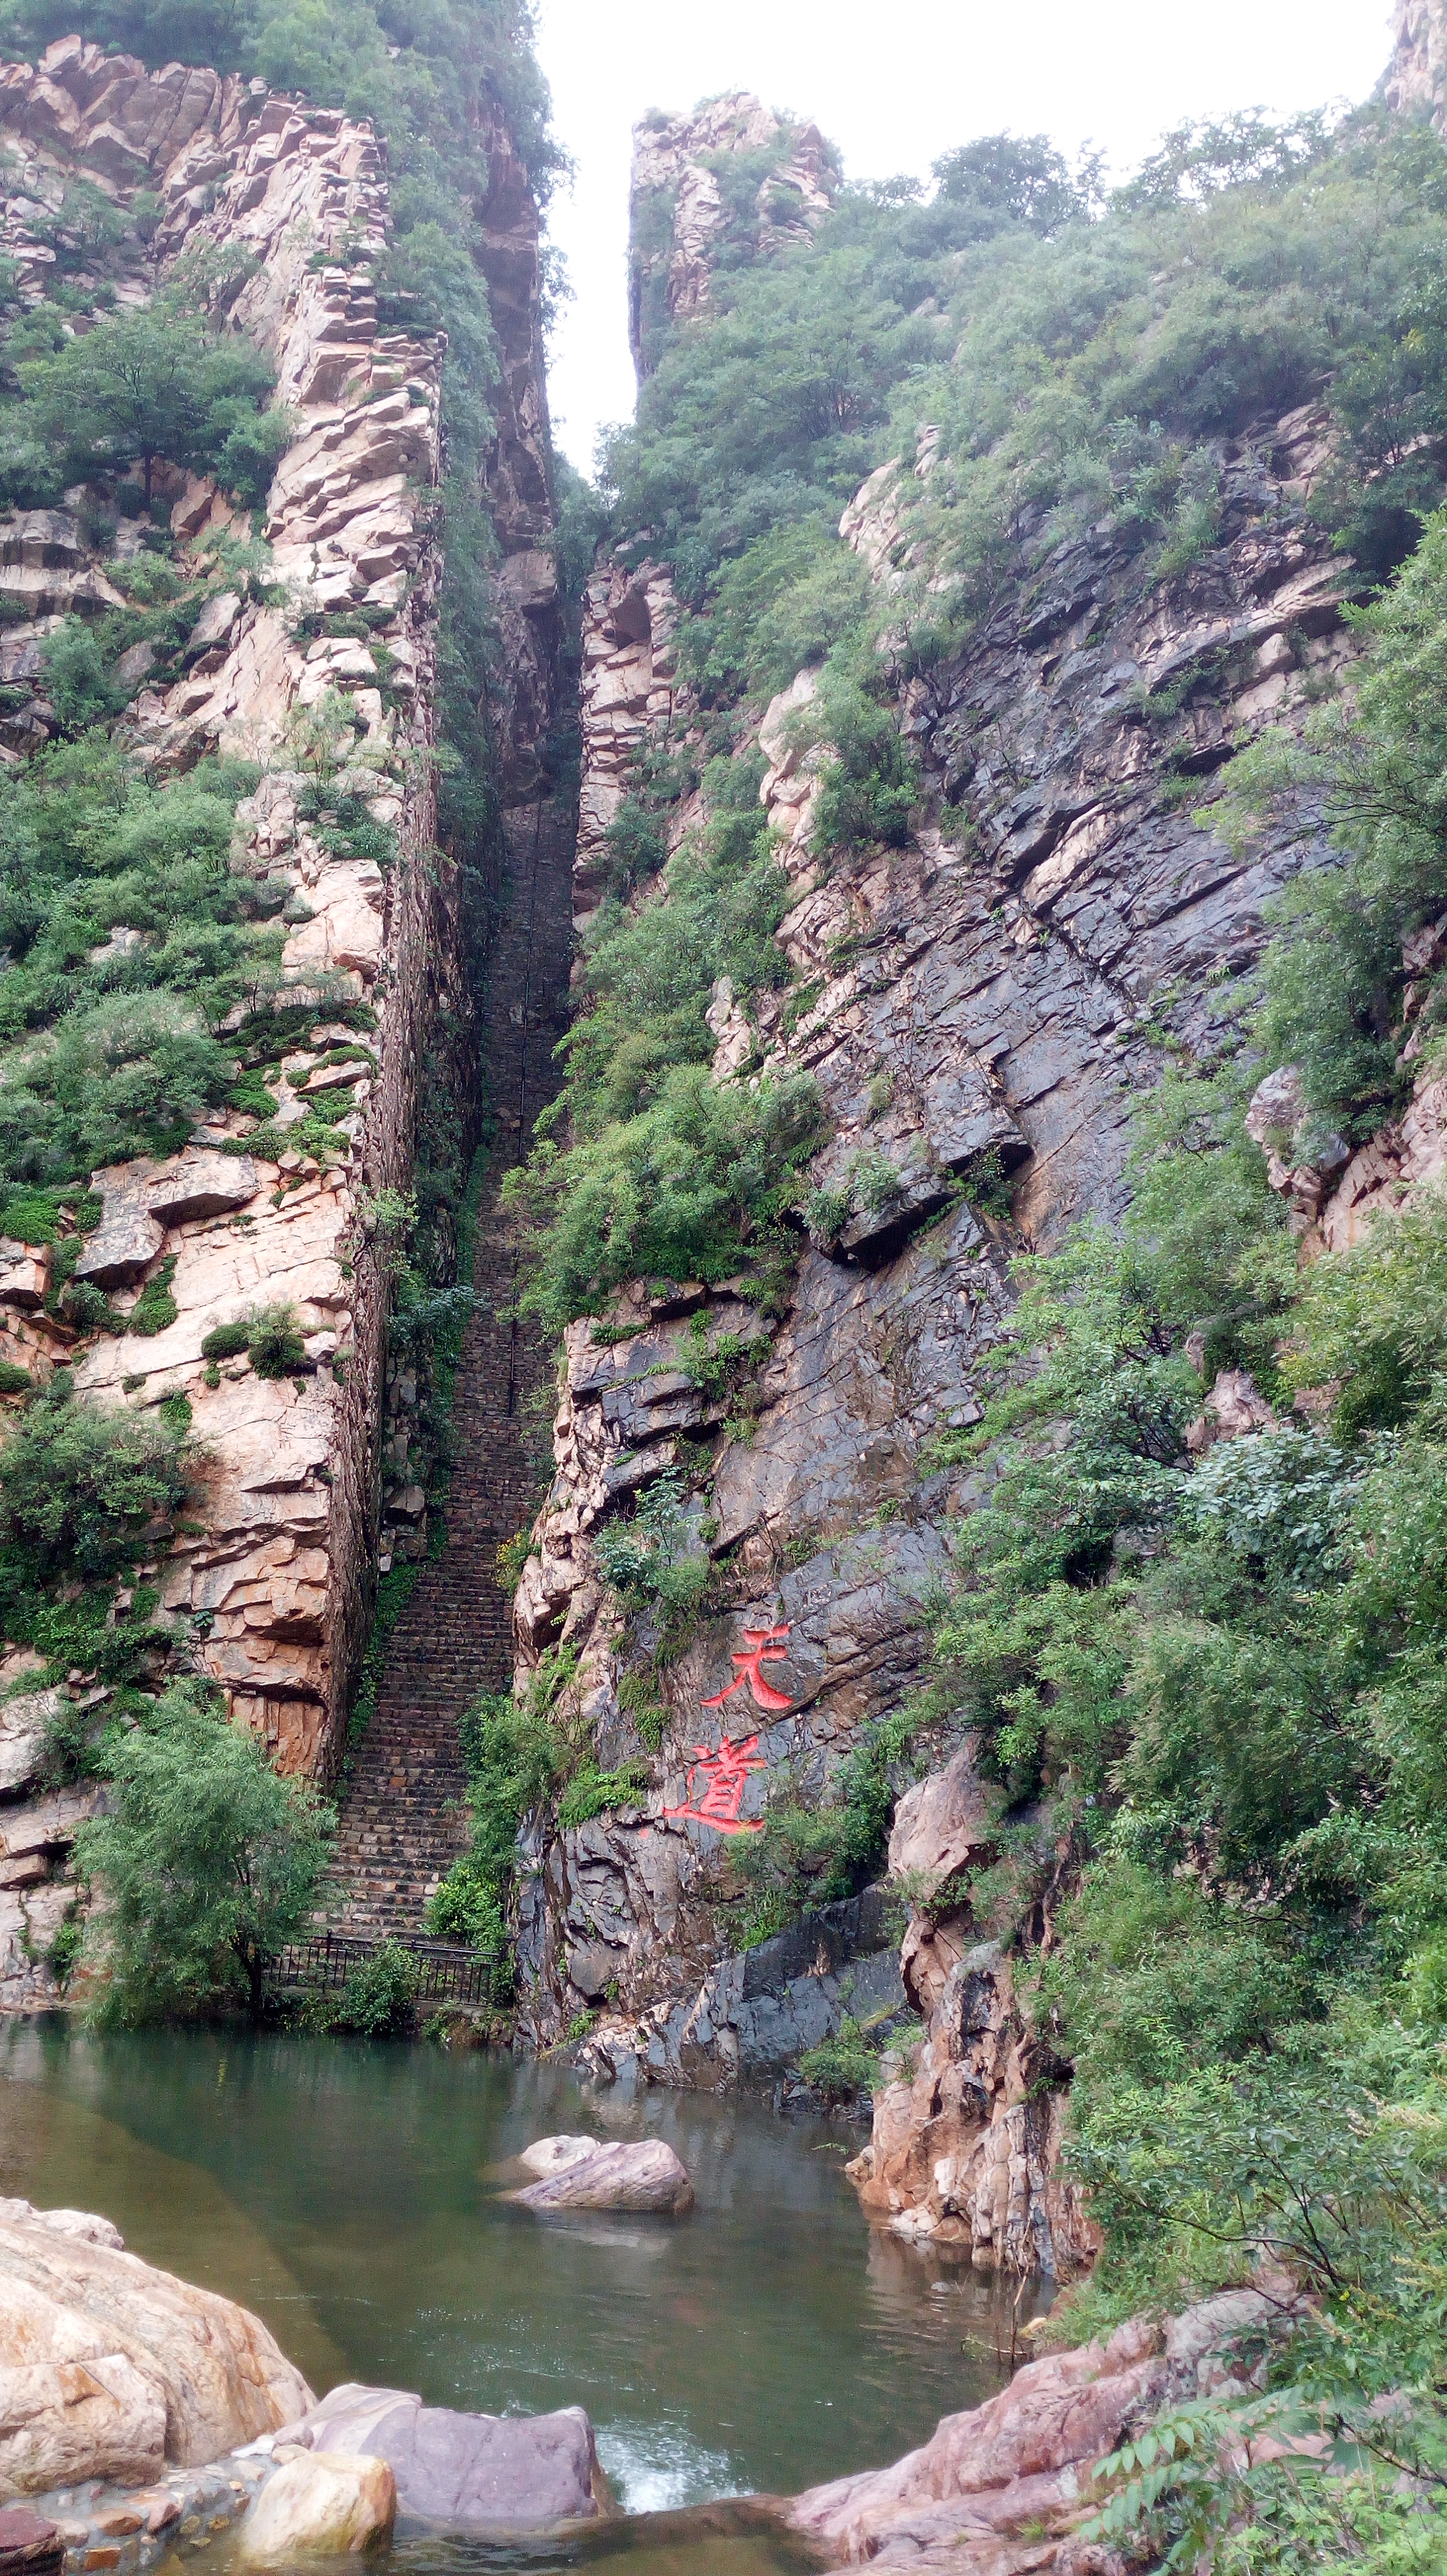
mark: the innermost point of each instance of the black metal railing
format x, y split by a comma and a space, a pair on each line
443, 1971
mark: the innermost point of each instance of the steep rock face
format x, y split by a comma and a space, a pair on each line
516, 470
1004, 2489
983, 1003
271, 1568
681, 209
1415, 81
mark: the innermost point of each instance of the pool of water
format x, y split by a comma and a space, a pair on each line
349, 2193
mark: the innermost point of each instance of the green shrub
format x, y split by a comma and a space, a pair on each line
692, 1188
380, 1994
78, 683
225, 1341
841, 2068
145, 385
274, 1341
652, 1558
591, 1792
207, 1866
155, 1308
79, 1488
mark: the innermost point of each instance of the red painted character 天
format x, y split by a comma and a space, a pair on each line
761, 1646
724, 1776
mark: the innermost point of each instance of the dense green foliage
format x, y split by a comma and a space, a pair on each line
141, 386
78, 1488
667, 1175
207, 1864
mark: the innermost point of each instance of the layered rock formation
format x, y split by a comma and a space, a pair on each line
987, 1000
729, 172
979, 1010
283, 207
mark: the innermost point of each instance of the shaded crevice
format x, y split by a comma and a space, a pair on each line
403, 1821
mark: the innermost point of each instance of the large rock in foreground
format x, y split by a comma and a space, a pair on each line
1001, 2490
112, 2369
644, 2176
465, 2472
322, 2505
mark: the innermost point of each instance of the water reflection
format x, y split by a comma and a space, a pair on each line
350, 2194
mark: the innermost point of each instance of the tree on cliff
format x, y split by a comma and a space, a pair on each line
205, 1869
148, 385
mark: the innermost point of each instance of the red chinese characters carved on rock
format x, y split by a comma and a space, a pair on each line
717, 1779
716, 1785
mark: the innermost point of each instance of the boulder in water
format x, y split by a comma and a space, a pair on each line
320, 2504
112, 2369
465, 2472
550, 2155
642, 2175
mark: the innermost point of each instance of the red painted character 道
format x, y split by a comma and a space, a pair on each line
716, 1785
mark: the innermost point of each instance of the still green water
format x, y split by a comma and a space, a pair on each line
349, 2193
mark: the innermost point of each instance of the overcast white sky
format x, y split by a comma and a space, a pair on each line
895, 86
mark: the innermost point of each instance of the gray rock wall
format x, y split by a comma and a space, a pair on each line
987, 1001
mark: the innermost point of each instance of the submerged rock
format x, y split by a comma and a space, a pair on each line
644, 2175
111, 2369
465, 2472
322, 2504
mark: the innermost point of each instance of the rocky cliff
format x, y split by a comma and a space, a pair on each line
729, 184
1416, 77
980, 1008
321, 672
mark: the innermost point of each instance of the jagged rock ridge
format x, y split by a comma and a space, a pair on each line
271, 1570
678, 213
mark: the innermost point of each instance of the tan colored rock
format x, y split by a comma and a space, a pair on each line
128, 1238
1234, 1408
25, 1276
320, 2504
25, 1723
201, 1185
942, 1820
966, 2149
110, 2368
63, 2421
674, 162
1416, 78
1003, 2489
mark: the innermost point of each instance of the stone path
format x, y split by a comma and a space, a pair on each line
402, 1822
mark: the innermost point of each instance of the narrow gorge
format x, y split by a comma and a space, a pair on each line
722, 1252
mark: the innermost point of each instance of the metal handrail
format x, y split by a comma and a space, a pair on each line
443, 1969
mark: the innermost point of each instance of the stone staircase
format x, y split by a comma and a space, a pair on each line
402, 1821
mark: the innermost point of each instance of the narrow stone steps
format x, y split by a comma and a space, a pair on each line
403, 1819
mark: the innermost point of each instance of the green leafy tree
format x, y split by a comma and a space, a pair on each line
204, 1870
145, 385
